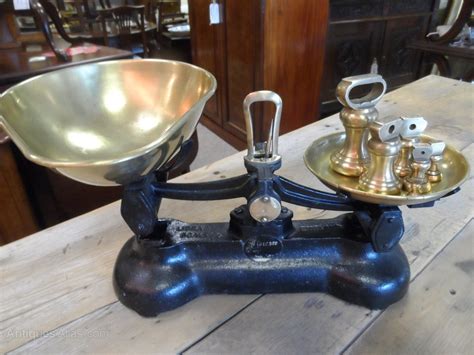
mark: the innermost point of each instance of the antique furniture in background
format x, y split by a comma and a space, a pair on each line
365, 33
120, 32
437, 50
79, 15
127, 20
18, 64
21, 62
173, 34
44, 11
275, 45
11, 35
169, 14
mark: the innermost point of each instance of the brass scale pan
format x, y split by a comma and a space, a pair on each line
454, 169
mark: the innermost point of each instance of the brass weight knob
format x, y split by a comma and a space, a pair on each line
356, 116
410, 133
418, 183
383, 146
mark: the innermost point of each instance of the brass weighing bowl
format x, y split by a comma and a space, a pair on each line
454, 168
108, 123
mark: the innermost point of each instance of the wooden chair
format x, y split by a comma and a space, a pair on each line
438, 49
169, 14
463, 17
43, 11
105, 4
128, 22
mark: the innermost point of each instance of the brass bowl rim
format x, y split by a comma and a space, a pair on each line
40, 160
392, 200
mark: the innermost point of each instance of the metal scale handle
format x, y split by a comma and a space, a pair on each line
265, 203
271, 146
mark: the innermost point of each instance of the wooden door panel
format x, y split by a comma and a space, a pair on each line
294, 46
351, 9
398, 7
350, 50
206, 41
242, 53
399, 64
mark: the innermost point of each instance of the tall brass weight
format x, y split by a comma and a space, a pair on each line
356, 116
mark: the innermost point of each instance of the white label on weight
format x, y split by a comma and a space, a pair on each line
21, 4
214, 14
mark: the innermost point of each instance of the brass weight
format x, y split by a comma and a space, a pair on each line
384, 147
418, 183
356, 116
433, 173
412, 128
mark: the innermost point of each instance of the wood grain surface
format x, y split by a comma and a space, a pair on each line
56, 292
436, 317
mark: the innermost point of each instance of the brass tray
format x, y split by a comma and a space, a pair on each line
454, 167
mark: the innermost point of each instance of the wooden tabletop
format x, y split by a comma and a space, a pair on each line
56, 286
18, 64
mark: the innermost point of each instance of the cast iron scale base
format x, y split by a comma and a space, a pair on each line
179, 262
355, 256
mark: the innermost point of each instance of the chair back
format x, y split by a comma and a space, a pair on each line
105, 4
126, 23
43, 10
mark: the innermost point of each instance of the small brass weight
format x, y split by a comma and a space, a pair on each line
356, 116
410, 133
433, 173
418, 182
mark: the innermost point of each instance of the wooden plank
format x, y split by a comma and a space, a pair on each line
72, 299
114, 328
437, 316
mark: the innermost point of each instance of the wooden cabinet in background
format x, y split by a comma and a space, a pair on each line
361, 31
16, 215
273, 45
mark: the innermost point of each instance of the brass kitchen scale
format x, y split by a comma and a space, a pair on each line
129, 122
